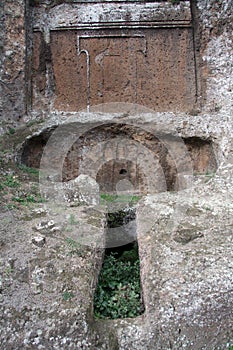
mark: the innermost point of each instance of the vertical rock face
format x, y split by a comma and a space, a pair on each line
190, 48
13, 59
107, 52
1, 49
214, 22
59, 56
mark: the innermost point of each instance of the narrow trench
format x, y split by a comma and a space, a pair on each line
118, 293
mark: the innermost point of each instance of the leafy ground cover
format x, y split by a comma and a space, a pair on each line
118, 293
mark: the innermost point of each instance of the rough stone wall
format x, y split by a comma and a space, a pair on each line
1, 47
13, 59
46, 286
214, 26
213, 47
185, 247
105, 155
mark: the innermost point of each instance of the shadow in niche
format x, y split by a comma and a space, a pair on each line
200, 151
118, 293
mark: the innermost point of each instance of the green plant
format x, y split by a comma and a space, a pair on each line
72, 220
67, 295
118, 291
40, 199
21, 200
208, 208
10, 206
11, 131
28, 170
37, 120
217, 108
175, 2
74, 247
24, 199
9, 270
107, 197
209, 175
130, 255
11, 182
116, 219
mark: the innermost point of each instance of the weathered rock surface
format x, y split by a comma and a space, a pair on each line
50, 259
47, 281
185, 246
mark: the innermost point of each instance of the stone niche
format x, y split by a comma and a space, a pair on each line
103, 154
85, 54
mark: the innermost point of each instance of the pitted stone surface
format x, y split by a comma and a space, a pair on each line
47, 279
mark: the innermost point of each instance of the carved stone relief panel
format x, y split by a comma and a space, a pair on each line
138, 58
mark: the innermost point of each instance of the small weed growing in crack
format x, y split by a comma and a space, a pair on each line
74, 247
9, 270
11, 131
67, 295
72, 220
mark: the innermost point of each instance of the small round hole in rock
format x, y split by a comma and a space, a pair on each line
123, 172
